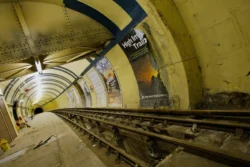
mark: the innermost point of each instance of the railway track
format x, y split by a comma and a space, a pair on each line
156, 129
210, 121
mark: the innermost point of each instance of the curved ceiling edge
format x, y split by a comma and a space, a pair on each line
47, 83
63, 69
33, 77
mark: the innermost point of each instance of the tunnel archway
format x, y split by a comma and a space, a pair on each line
38, 111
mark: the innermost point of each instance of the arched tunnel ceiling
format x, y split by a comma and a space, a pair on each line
47, 30
199, 42
40, 88
53, 33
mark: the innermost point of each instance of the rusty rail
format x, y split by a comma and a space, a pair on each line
238, 158
214, 124
178, 112
120, 152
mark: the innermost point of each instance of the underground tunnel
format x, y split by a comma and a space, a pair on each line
124, 83
38, 111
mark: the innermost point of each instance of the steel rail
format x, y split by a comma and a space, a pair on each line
178, 112
234, 118
239, 115
127, 157
238, 158
207, 124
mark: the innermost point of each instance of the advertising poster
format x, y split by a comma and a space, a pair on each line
86, 91
76, 97
71, 99
106, 70
153, 93
98, 87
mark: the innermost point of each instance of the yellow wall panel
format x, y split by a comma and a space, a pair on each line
111, 10
126, 77
174, 52
220, 31
62, 101
93, 94
50, 106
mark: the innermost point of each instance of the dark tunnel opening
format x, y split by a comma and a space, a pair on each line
38, 111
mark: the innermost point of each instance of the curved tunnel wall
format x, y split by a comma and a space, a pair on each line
180, 42
94, 85
174, 75
219, 34
191, 52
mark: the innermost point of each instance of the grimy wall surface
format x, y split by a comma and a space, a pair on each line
201, 50
219, 32
144, 54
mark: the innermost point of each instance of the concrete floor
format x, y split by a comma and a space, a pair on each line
64, 149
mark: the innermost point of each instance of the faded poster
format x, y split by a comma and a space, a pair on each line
71, 99
152, 90
86, 92
110, 80
98, 88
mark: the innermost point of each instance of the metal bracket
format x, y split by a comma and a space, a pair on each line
108, 152
165, 124
99, 143
117, 134
24, 26
153, 148
82, 120
93, 139
118, 158
239, 132
152, 122
194, 127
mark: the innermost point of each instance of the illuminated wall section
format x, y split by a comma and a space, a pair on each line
87, 99
74, 98
62, 101
126, 77
91, 90
98, 87
110, 80
50, 106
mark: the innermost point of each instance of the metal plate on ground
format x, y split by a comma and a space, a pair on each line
15, 155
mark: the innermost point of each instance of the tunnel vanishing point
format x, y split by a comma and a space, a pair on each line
124, 83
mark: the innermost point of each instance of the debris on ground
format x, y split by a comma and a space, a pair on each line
43, 142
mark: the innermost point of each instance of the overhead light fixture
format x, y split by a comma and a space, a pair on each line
38, 65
